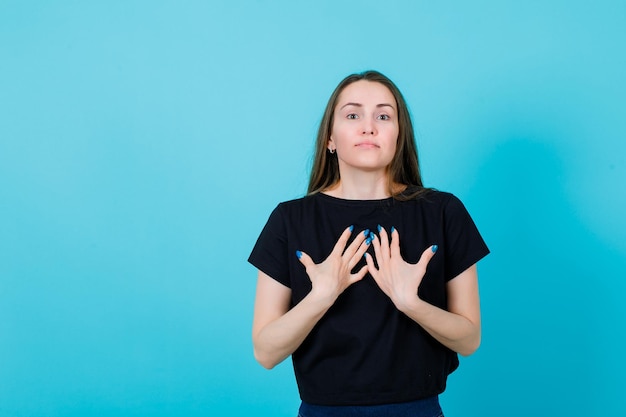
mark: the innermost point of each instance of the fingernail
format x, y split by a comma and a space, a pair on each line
351, 228
368, 240
379, 228
299, 254
392, 229
434, 248
366, 232
372, 236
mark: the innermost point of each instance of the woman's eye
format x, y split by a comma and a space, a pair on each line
352, 116
384, 117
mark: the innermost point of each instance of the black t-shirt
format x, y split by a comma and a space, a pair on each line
365, 351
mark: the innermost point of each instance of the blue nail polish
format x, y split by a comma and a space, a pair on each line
435, 247
372, 236
366, 232
351, 228
368, 241
392, 229
379, 228
299, 254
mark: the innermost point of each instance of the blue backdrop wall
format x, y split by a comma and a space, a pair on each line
144, 143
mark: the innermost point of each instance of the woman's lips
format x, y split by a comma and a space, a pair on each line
367, 145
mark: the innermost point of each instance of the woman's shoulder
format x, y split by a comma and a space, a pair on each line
433, 201
425, 195
295, 204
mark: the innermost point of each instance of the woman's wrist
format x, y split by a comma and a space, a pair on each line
324, 298
412, 305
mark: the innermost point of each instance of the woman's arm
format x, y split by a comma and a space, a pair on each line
277, 330
458, 327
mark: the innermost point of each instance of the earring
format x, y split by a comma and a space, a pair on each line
332, 151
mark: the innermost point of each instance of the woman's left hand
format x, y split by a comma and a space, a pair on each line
458, 327
397, 278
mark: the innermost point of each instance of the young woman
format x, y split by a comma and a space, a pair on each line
369, 282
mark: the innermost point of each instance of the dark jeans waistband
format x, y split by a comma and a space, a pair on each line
427, 407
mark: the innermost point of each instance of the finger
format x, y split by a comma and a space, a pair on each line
359, 275
371, 266
384, 242
304, 259
427, 255
395, 243
356, 244
375, 273
342, 241
378, 251
359, 253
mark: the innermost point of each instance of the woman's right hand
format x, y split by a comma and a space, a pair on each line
332, 276
279, 329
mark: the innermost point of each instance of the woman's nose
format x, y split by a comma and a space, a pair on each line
368, 127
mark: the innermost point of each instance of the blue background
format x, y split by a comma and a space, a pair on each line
143, 145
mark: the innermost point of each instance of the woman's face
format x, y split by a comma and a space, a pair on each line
365, 127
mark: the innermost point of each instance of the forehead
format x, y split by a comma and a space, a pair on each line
366, 92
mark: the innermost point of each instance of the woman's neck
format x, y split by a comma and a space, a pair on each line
366, 186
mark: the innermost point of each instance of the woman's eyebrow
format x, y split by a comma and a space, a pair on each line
352, 104
360, 105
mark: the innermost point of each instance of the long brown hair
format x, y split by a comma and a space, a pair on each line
403, 170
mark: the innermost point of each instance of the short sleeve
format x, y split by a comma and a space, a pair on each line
269, 254
464, 244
